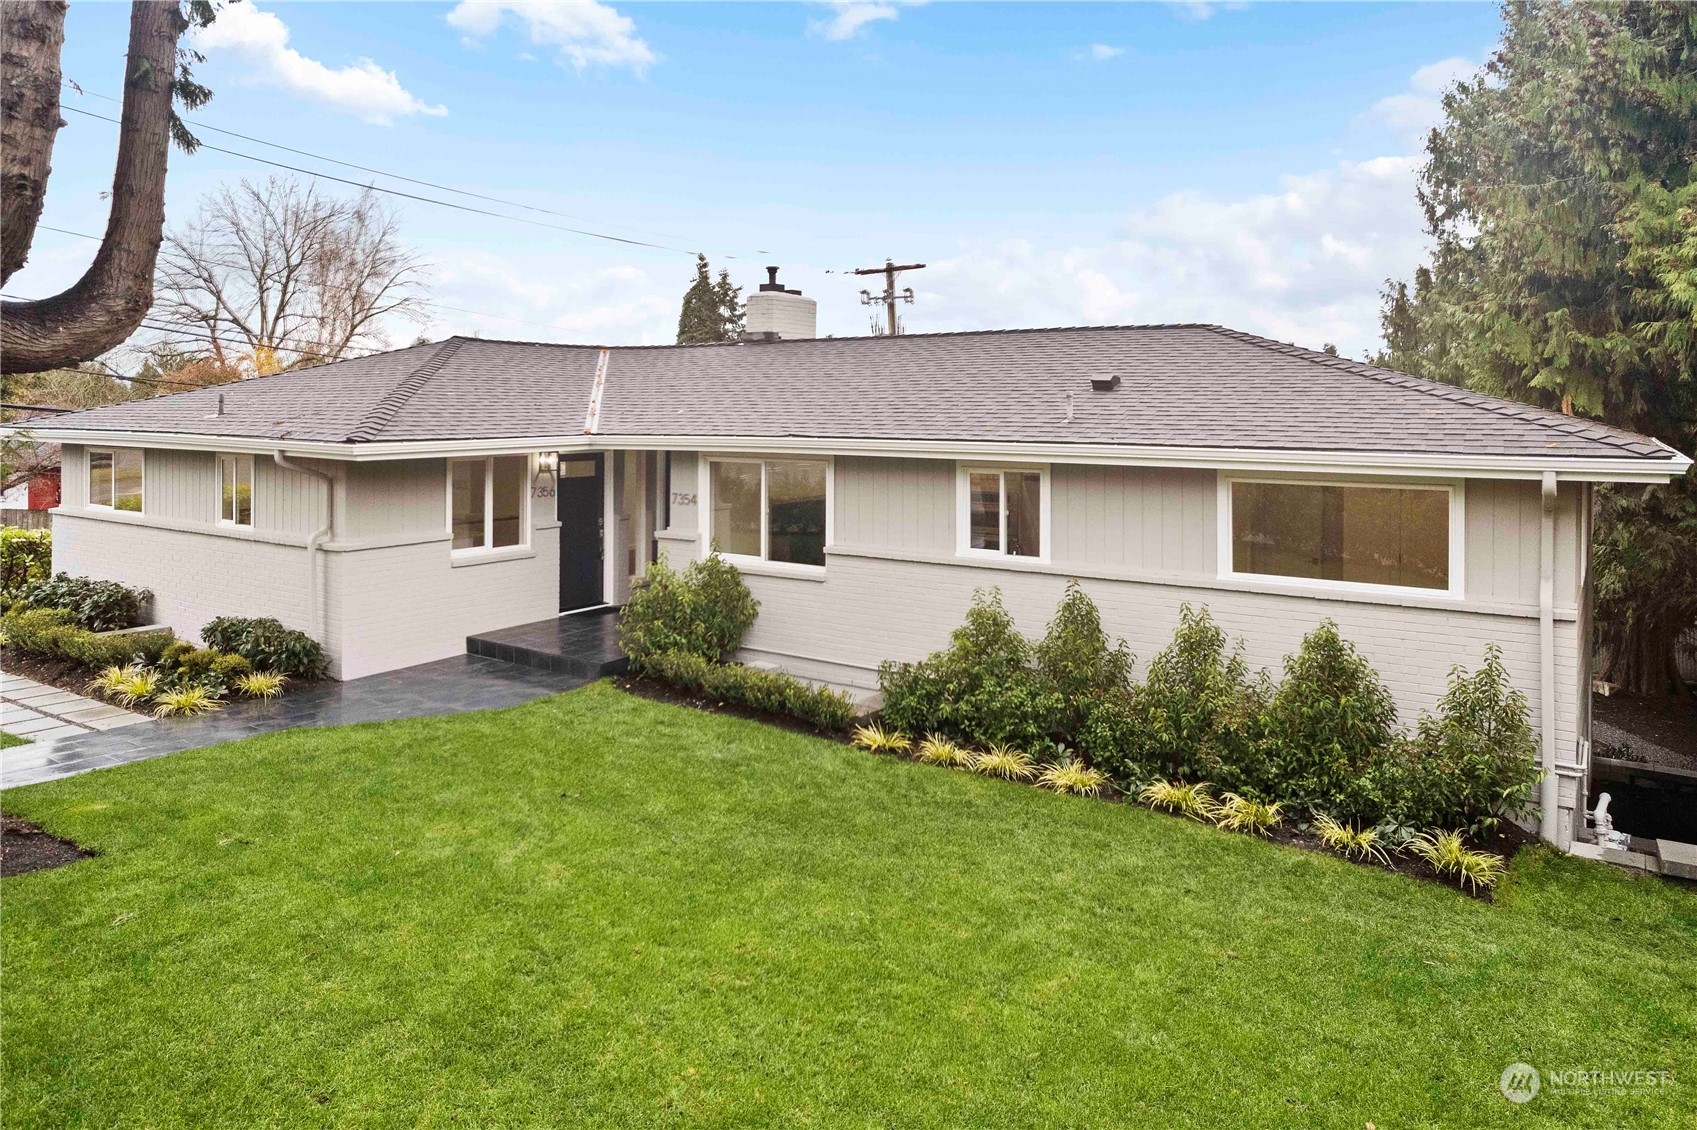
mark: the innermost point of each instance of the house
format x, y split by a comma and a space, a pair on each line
395, 504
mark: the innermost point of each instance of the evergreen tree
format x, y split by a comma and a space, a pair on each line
712, 311
1560, 197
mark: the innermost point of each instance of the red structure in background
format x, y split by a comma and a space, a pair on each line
44, 489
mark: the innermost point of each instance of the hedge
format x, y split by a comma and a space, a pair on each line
771, 691
49, 634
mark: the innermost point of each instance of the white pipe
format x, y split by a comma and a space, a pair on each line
315, 619
1549, 825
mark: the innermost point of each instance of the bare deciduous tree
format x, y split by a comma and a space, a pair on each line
282, 275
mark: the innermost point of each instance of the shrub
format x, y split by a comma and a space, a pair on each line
1240, 814
704, 610
939, 750
26, 556
185, 702
50, 634
1177, 797
1072, 777
1075, 659
198, 663
227, 668
771, 691
98, 606
267, 645
1474, 762
172, 657
1350, 841
261, 684
1004, 761
982, 690
874, 738
1197, 715
1330, 729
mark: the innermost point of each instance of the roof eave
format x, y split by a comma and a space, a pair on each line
1622, 469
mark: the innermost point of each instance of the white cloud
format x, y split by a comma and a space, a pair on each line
1411, 113
1102, 52
362, 88
621, 304
1302, 264
849, 16
582, 31
1204, 9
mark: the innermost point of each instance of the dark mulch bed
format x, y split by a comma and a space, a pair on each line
1506, 842
66, 674
1668, 722
25, 848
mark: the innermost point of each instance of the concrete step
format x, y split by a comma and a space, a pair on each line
584, 644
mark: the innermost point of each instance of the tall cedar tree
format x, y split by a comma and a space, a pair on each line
1561, 201
712, 311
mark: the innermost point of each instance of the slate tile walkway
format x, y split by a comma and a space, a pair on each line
43, 713
447, 686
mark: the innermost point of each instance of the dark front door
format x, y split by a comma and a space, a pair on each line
581, 509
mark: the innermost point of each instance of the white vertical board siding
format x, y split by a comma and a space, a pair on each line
400, 498
73, 476
180, 485
1504, 517
290, 502
894, 504
1146, 519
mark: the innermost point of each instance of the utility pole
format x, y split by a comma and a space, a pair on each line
889, 270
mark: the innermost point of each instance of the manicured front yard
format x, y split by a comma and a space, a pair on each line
598, 910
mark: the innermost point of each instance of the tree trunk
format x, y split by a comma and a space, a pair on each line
32, 33
112, 297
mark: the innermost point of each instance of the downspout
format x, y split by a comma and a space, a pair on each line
1551, 792
317, 538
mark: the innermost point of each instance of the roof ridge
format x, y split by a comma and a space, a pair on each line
856, 337
1531, 413
380, 414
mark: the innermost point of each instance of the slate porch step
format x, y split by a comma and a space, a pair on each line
584, 644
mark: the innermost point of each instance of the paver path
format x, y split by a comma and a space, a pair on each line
44, 713
447, 686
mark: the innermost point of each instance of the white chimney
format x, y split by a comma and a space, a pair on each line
773, 312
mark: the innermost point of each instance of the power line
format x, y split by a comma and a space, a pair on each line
414, 196
889, 298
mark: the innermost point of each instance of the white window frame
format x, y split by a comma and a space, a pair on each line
88, 480
488, 551
241, 460
761, 564
963, 511
1456, 489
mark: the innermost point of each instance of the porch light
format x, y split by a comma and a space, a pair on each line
547, 462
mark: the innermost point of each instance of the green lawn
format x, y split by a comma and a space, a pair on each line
596, 910
7, 741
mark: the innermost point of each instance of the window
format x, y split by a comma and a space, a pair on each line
772, 510
1004, 512
487, 502
1384, 536
235, 490
114, 478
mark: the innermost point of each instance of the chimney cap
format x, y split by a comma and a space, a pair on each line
773, 284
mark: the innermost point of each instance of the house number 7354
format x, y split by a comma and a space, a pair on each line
682, 499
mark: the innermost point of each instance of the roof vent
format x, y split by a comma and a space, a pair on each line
1105, 382
781, 313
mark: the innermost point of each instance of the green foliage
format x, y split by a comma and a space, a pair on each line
1073, 777
711, 311
1329, 725
1562, 206
771, 691
983, 689
874, 738
1240, 814
267, 645
1004, 761
186, 702
1192, 800
26, 556
704, 610
99, 606
261, 684
227, 667
1473, 762
50, 633
1075, 658
172, 657
937, 749
1449, 855
1350, 841
1197, 714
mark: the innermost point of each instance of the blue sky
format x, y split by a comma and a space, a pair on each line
1054, 163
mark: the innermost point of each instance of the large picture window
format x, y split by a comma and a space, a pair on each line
235, 490
115, 478
487, 501
1004, 512
1387, 536
771, 510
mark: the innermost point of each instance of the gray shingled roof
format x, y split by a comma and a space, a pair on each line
1180, 386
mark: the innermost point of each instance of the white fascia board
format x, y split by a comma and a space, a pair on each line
1379, 463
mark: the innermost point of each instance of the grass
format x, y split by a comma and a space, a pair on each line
598, 910
7, 741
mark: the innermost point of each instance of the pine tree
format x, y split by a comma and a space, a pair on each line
712, 311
